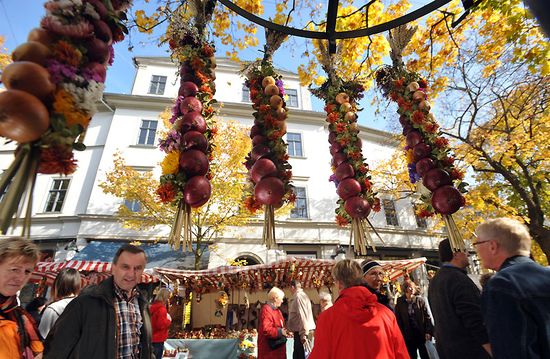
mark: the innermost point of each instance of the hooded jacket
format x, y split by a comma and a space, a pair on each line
87, 327
357, 326
160, 322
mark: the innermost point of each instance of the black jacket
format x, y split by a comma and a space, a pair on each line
382, 298
421, 317
456, 307
87, 327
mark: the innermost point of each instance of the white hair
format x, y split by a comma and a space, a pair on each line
325, 296
275, 293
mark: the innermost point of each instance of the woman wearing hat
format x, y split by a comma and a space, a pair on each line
373, 274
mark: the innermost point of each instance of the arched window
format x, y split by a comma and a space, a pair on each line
250, 259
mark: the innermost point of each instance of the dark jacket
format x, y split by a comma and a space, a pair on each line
381, 298
516, 306
87, 327
456, 307
421, 317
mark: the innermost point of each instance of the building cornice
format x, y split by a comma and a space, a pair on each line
240, 110
222, 63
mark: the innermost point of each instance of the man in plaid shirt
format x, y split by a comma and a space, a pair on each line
107, 321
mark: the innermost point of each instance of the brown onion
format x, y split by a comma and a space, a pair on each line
30, 77
23, 117
32, 51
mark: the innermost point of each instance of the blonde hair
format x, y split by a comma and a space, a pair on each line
512, 235
163, 295
348, 272
14, 247
275, 293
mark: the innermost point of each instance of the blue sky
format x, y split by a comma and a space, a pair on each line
18, 17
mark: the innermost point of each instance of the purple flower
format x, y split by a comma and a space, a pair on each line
111, 55
333, 178
279, 84
59, 72
90, 75
171, 142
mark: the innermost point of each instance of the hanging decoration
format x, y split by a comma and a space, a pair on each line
267, 163
185, 180
350, 170
53, 85
430, 161
221, 303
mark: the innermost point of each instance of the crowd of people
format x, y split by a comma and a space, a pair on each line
508, 319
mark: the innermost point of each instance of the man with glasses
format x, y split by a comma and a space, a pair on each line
516, 300
456, 308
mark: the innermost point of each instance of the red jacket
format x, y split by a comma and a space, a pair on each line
270, 326
159, 321
357, 326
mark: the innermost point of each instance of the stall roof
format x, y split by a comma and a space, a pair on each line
158, 254
93, 272
312, 273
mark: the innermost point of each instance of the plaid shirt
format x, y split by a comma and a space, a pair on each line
129, 323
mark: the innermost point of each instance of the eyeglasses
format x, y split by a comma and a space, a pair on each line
480, 242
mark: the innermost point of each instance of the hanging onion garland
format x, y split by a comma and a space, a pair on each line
267, 163
430, 162
185, 180
350, 171
53, 85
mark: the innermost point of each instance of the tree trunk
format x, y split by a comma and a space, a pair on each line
542, 236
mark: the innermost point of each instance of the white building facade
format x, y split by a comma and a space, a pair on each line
70, 212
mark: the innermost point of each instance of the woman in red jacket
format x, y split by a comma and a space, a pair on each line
160, 321
356, 326
271, 332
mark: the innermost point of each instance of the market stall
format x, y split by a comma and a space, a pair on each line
226, 301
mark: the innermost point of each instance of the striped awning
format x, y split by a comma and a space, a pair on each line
312, 273
93, 272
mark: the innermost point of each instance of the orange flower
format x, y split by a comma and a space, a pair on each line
340, 127
431, 127
376, 205
197, 63
341, 221
207, 50
368, 185
66, 53
441, 142
57, 159
64, 105
418, 117
333, 117
330, 108
399, 83
456, 174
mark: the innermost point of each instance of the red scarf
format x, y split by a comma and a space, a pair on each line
10, 310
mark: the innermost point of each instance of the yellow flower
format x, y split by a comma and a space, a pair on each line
171, 163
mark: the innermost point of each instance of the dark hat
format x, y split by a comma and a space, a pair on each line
370, 265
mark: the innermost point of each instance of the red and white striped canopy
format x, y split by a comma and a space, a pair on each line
93, 271
312, 273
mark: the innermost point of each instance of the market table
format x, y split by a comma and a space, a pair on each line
206, 348
214, 348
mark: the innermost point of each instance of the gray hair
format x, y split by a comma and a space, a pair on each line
512, 235
275, 293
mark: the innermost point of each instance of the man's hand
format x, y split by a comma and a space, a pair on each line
428, 337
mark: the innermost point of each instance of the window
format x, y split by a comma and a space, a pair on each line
389, 210
133, 205
302, 254
294, 144
420, 221
147, 132
56, 196
158, 83
300, 206
246, 94
292, 97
